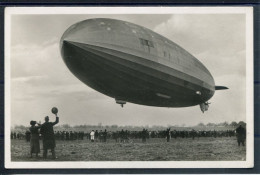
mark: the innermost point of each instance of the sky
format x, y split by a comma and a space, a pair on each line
40, 80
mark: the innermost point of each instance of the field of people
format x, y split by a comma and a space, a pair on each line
154, 149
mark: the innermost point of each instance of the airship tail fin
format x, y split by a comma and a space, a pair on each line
220, 87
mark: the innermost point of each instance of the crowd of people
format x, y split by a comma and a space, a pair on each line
69, 135
125, 135
46, 133
19, 135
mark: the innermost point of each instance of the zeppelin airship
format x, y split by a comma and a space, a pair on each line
131, 63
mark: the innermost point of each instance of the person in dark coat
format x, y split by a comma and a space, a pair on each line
105, 135
168, 134
96, 135
143, 135
34, 141
67, 135
48, 136
241, 135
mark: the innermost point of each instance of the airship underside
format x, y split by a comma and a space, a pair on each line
133, 64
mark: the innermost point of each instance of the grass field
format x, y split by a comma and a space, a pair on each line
180, 149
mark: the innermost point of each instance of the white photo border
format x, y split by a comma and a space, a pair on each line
248, 163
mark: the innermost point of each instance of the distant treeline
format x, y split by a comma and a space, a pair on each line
87, 128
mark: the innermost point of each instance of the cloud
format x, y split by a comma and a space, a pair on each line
40, 79
218, 41
197, 33
40, 60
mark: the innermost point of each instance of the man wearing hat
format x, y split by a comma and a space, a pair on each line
48, 136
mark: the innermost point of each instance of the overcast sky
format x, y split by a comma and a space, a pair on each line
41, 80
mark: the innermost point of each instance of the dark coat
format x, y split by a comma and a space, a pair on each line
34, 142
241, 134
48, 134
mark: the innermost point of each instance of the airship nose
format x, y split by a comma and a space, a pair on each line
73, 55
65, 37
72, 34
70, 54
63, 47
77, 51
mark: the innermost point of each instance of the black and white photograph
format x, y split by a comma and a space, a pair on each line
129, 87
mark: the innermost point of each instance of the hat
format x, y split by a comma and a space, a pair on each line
32, 122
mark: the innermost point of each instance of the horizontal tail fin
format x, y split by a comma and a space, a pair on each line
220, 88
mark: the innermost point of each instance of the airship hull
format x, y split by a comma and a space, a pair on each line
128, 74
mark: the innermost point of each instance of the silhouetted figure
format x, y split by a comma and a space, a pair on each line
144, 135
168, 135
71, 135
35, 139
67, 135
96, 135
100, 135
122, 135
62, 135
105, 135
193, 134
48, 136
241, 135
